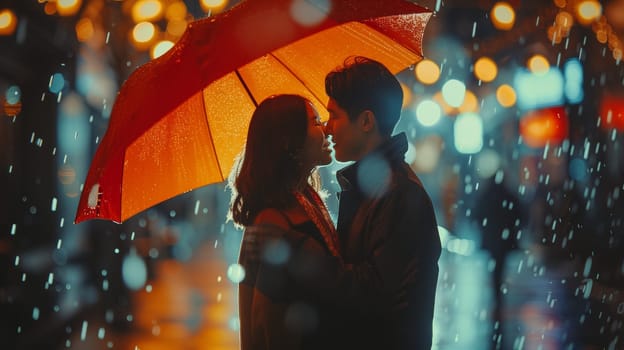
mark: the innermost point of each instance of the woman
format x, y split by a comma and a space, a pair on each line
274, 188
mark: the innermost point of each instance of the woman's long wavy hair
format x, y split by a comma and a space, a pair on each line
270, 168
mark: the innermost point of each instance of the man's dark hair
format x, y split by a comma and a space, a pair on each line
365, 84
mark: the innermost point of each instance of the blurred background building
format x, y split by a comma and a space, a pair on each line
515, 121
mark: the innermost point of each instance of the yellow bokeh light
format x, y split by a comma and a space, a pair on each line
538, 64
213, 5
176, 27
84, 29
485, 69
470, 103
564, 19
161, 48
176, 11
8, 22
617, 54
407, 95
588, 11
560, 3
143, 32
506, 96
446, 108
427, 71
556, 34
503, 16
68, 7
146, 10
602, 36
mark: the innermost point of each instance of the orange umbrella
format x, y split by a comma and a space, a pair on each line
180, 120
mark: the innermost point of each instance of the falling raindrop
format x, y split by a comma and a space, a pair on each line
83, 331
587, 268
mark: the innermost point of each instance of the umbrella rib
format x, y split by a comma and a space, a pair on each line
296, 77
214, 147
242, 81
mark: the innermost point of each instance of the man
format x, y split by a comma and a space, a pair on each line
385, 215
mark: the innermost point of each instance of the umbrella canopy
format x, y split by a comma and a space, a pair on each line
180, 120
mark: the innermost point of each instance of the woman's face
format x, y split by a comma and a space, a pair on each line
316, 149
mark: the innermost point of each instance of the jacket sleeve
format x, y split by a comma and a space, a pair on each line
315, 273
405, 242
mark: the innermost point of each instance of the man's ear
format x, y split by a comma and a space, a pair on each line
367, 120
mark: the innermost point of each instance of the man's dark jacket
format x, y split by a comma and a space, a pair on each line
390, 222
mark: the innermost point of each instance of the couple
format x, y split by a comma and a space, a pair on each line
370, 283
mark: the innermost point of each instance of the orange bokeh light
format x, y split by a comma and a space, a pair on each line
612, 112
544, 126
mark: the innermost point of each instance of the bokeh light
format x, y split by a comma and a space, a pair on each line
506, 95
13, 94
84, 29
564, 19
213, 5
176, 27
68, 7
538, 64
12, 104
612, 112
427, 154
427, 71
488, 163
161, 48
468, 133
8, 22
503, 16
539, 90
134, 271
588, 11
236, 273
544, 126
176, 11
143, 32
446, 108
146, 10
454, 92
57, 83
407, 95
573, 74
470, 103
428, 113
485, 69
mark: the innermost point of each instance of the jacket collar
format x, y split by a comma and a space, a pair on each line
393, 150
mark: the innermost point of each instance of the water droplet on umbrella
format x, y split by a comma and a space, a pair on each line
93, 199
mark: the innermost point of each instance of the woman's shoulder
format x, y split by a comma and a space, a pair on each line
283, 218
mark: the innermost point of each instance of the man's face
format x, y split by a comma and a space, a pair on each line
347, 137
